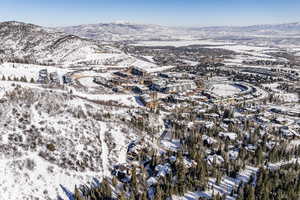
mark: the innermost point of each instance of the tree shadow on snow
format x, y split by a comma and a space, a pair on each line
96, 182
68, 193
138, 100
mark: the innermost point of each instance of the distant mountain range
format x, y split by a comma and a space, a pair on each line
277, 34
73, 44
278, 27
122, 31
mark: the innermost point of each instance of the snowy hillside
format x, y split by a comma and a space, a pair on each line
31, 43
52, 139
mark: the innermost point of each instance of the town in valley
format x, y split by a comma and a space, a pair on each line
129, 111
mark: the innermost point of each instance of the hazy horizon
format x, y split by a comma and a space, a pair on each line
190, 13
128, 22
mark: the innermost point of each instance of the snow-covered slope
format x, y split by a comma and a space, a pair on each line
31, 43
48, 140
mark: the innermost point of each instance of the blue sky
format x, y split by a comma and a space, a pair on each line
164, 12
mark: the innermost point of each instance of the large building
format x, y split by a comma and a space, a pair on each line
100, 80
150, 100
43, 76
182, 86
138, 71
66, 79
54, 78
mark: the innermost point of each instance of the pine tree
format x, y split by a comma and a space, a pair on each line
259, 156
158, 194
106, 190
122, 196
217, 197
224, 197
144, 196
218, 180
25, 79
249, 193
181, 174
133, 182
77, 195
132, 196
114, 181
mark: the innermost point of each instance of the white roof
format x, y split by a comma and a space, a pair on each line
230, 135
215, 158
151, 181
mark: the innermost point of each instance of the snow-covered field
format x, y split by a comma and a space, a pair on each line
255, 51
123, 99
28, 70
179, 43
150, 67
225, 90
243, 49
88, 82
